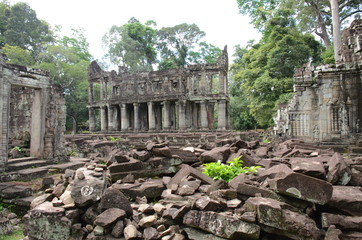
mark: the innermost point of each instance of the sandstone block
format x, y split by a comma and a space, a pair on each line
109, 216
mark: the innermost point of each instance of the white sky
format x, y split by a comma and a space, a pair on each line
219, 19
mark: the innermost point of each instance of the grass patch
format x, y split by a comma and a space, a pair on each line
16, 235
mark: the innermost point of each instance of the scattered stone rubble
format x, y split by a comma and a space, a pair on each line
156, 192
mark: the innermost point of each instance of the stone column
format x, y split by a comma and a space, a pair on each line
222, 82
90, 93
182, 115
137, 122
110, 118
203, 115
124, 118
104, 123
92, 119
115, 118
151, 117
222, 114
166, 115
37, 125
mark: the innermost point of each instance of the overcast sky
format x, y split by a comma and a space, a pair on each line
219, 19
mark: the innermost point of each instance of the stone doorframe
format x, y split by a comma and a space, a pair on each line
21, 76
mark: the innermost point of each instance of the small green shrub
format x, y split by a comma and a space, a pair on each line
19, 149
114, 139
218, 170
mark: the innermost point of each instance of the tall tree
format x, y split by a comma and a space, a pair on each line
205, 53
132, 45
175, 43
312, 15
21, 27
67, 61
264, 71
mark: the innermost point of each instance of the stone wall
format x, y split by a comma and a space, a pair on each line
176, 99
31, 108
327, 101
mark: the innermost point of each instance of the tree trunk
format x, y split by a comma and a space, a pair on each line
323, 34
336, 29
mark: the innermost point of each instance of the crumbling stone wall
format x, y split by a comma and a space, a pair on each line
176, 99
327, 101
30, 105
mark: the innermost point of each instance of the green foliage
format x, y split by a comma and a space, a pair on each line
20, 27
17, 55
17, 148
114, 139
132, 45
206, 53
175, 43
328, 56
218, 170
16, 235
262, 75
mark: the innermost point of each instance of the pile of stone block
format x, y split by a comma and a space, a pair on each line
301, 192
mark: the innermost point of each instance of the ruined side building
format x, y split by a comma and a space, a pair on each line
169, 100
327, 103
32, 111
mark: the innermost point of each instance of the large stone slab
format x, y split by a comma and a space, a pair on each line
341, 222
221, 225
215, 154
150, 189
347, 199
303, 187
185, 171
113, 198
278, 218
151, 168
308, 166
338, 171
87, 187
46, 222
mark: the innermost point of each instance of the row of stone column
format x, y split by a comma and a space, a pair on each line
110, 116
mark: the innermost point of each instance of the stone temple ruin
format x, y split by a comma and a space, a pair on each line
327, 101
32, 113
176, 99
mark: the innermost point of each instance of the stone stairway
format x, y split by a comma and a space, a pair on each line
13, 187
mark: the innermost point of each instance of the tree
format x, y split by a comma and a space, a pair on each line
264, 71
68, 61
132, 45
17, 55
312, 15
21, 27
206, 53
175, 43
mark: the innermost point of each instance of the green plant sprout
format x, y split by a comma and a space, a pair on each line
218, 170
114, 139
19, 149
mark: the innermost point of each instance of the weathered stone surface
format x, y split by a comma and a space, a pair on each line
150, 189
338, 171
185, 171
276, 217
109, 216
196, 234
45, 222
142, 155
341, 222
251, 191
308, 166
207, 204
276, 171
185, 155
15, 191
347, 199
162, 152
88, 190
333, 233
40, 199
117, 230
5, 226
227, 194
150, 233
131, 232
216, 154
153, 167
221, 225
188, 186
303, 187
113, 198
148, 221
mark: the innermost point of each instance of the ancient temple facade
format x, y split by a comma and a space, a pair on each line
32, 112
328, 99
194, 97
